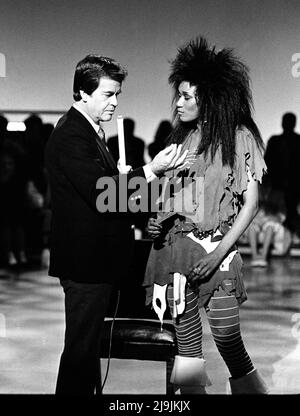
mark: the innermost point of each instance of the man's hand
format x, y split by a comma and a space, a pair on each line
123, 169
167, 159
153, 228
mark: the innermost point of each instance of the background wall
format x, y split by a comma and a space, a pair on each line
43, 40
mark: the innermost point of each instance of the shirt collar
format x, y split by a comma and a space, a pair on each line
89, 119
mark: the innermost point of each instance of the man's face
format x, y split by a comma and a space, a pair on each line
187, 107
101, 104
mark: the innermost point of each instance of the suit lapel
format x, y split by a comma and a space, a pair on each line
104, 151
94, 137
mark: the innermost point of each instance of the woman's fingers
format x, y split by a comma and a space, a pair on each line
197, 267
198, 272
154, 224
153, 228
156, 232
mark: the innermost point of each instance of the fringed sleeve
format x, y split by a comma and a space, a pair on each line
248, 156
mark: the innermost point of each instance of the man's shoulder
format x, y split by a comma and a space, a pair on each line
139, 142
71, 123
276, 138
67, 130
275, 142
296, 137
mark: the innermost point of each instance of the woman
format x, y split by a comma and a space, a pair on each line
204, 209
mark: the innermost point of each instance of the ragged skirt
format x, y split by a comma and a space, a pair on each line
181, 255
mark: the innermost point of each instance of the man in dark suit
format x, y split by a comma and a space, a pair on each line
282, 159
90, 251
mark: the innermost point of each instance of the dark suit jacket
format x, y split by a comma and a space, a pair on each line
85, 245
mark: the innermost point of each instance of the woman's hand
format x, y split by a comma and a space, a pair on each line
153, 228
204, 268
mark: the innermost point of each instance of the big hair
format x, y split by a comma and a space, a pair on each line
223, 95
89, 71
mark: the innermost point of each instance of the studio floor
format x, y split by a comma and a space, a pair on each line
32, 330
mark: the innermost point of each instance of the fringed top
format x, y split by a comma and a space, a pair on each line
207, 194
210, 200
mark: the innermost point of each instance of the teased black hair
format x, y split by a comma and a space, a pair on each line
223, 94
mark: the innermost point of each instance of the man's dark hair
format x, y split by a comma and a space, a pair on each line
89, 71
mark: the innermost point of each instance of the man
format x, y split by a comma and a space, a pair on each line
282, 160
90, 250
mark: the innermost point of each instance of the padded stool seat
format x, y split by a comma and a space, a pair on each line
141, 339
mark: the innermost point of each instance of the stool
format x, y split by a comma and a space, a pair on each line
141, 339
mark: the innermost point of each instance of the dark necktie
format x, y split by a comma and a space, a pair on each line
101, 139
101, 136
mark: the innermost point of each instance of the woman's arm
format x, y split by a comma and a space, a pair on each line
211, 261
244, 218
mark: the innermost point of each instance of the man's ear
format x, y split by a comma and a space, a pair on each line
84, 96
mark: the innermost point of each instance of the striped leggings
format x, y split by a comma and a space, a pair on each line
223, 317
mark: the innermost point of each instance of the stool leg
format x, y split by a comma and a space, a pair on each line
170, 388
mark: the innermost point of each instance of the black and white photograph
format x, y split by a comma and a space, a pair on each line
150, 201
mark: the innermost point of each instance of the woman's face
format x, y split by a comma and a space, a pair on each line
187, 107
